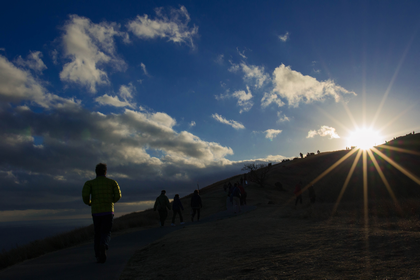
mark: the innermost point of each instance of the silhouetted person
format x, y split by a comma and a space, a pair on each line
235, 197
312, 195
176, 209
298, 193
243, 194
196, 205
101, 194
162, 205
301, 155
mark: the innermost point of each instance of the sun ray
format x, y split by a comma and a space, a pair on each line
333, 119
343, 189
381, 174
332, 167
365, 189
396, 165
391, 83
397, 117
401, 150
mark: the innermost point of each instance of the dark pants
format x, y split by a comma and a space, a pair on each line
180, 215
102, 226
195, 210
299, 197
163, 214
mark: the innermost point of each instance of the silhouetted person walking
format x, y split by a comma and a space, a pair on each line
176, 209
196, 205
162, 205
101, 194
298, 193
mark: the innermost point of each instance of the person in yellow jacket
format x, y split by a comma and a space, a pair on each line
101, 194
162, 205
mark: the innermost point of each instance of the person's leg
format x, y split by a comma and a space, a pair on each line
97, 235
180, 216
163, 214
198, 214
193, 214
300, 198
173, 216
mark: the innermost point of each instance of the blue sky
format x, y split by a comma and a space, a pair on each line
169, 94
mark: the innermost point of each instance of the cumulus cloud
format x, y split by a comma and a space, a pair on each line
270, 97
126, 91
272, 133
33, 61
282, 118
174, 28
113, 101
323, 131
19, 85
284, 37
296, 87
90, 47
252, 73
232, 123
244, 99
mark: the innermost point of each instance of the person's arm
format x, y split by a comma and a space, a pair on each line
87, 189
117, 192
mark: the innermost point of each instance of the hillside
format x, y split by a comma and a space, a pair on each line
281, 241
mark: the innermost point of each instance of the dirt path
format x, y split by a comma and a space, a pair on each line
263, 245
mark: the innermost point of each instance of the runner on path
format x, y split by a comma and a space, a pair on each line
101, 194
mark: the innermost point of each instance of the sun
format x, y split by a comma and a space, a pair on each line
364, 138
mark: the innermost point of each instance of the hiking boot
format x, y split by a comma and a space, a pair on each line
102, 254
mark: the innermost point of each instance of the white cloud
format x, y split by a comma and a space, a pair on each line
255, 72
19, 85
272, 133
192, 124
284, 37
234, 67
2, 49
283, 118
323, 131
33, 61
127, 91
174, 28
144, 69
244, 99
89, 46
242, 54
296, 88
270, 97
113, 101
232, 123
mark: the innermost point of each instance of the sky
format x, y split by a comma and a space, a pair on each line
174, 94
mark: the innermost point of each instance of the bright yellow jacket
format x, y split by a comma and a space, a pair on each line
101, 193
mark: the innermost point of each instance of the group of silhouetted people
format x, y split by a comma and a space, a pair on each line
298, 193
162, 205
101, 193
236, 195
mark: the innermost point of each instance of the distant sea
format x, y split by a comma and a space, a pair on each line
20, 233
